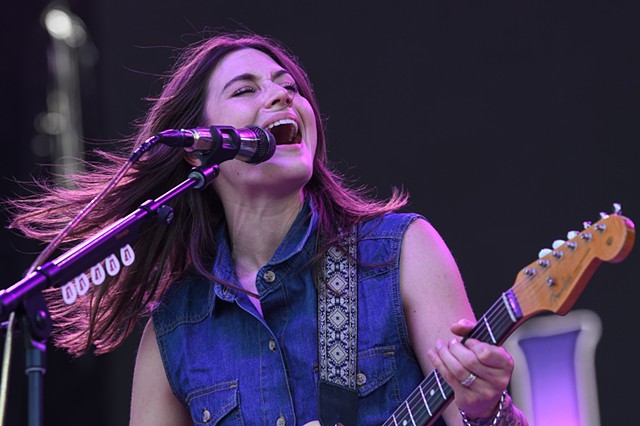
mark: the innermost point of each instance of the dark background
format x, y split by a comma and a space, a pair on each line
509, 123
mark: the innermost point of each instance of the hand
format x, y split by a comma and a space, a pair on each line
490, 365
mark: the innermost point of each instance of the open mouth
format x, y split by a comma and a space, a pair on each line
285, 131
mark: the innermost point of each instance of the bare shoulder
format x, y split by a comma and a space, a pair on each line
152, 401
423, 242
433, 293
427, 266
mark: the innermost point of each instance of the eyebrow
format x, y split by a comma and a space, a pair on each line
252, 77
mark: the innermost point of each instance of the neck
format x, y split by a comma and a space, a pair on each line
257, 227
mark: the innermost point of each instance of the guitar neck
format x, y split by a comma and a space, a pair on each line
433, 395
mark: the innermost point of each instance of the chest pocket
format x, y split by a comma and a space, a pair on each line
376, 368
216, 405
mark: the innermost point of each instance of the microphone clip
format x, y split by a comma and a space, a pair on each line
224, 141
204, 174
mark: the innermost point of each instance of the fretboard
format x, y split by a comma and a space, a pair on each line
433, 395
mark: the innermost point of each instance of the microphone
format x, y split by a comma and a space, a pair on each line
250, 144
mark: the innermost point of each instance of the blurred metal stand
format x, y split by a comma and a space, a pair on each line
70, 51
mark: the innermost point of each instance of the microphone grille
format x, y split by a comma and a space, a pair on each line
265, 147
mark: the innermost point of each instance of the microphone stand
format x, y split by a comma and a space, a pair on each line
25, 297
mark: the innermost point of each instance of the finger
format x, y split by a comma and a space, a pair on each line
489, 355
497, 372
454, 370
465, 357
492, 363
471, 364
462, 327
437, 361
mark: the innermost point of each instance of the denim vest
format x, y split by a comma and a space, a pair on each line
230, 366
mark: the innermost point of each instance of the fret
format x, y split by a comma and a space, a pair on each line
499, 320
502, 325
486, 324
401, 415
440, 385
426, 404
410, 414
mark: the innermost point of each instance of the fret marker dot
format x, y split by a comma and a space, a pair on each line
432, 392
405, 423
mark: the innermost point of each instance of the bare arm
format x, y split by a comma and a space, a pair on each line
152, 401
434, 298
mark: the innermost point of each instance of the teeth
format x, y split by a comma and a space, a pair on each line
284, 121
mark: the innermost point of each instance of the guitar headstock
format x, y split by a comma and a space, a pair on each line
555, 281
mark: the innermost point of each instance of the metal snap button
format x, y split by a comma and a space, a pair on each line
269, 276
281, 421
206, 416
272, 345
361, 379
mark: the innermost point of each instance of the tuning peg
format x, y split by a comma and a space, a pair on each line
617, 208
557, 244
542, 253
572, 234
586, 224
603, 215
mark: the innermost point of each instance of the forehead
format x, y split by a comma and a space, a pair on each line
243, 61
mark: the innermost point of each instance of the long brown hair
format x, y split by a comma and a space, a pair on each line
102, 319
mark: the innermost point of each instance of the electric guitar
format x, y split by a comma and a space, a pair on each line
552, 283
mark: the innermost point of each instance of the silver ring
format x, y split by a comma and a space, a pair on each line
469, 380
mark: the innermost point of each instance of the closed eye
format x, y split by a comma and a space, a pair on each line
291, 87
243, 90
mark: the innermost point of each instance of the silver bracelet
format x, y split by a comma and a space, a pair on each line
479, 422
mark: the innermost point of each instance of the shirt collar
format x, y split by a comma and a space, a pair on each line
303, 226
293, 243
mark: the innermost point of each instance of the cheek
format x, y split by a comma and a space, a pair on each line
313, 146
311, 125
210, 110
230, 114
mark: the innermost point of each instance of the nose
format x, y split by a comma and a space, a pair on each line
278, 97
